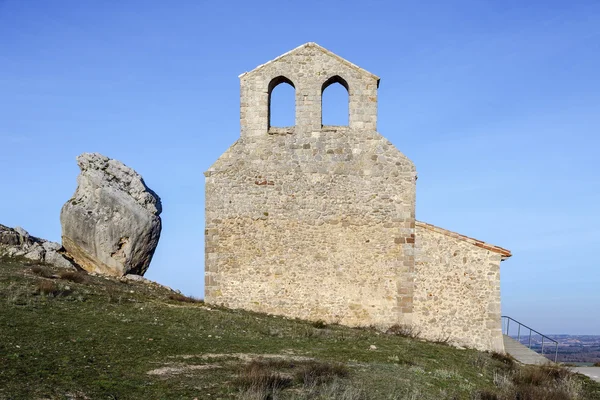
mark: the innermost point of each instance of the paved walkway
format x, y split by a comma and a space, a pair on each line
522, 353
592, 372
527, 356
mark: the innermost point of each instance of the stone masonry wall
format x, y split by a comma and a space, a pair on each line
457, 290
318, 227
311, 222
307, 68
318, 222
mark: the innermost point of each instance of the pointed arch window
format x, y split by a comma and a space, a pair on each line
282, 103
335, 102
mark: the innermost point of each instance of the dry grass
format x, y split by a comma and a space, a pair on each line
266, 378
443, 340
73, 276
318, 373
542, 375
49, 288
544, 382
115, 295
184, 299
42, 271
505, 359
260, 380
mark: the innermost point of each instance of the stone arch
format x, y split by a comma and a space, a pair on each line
272, 85
331, 81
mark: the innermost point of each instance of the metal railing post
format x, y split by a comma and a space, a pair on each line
519, 334
556, 352
542, 345
507, 325
530, 338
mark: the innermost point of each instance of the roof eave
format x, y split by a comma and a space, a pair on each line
504, 253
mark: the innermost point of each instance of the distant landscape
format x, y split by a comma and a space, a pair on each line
577, 349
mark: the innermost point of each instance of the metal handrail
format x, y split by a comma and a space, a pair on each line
508, 319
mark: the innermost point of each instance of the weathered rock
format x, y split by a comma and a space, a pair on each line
9, 237
111, 225
49, 246
137, 278
57, 259
18, 243
35, 253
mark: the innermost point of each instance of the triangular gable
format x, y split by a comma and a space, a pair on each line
316, 46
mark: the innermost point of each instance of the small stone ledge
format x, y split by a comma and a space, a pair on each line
284, 130
335, 128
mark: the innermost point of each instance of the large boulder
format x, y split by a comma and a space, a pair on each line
18, 243
111, 225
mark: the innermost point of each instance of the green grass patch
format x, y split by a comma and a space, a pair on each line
70, 336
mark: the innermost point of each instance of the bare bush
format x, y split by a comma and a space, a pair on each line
542, 375
259, 380
320, 324
73, 276
505, 359
480, 361
42, 271
534, 382
49, 288
317, 373
407, 331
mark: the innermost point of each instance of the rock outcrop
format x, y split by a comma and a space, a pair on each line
18, 243
111, 225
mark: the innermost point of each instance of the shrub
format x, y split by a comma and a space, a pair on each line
535, 382
73, 276
319, 324
443, 340
407, 331
42, 271
542, 375
316, 373
50, 288
259, 377
597, 364
505, 359
184, 299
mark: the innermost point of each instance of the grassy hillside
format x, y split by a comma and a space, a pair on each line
82, 337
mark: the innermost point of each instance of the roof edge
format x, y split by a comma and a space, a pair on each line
505, 253
317, 46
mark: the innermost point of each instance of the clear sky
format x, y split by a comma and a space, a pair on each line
497, 103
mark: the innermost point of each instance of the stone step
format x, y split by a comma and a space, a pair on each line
522, 353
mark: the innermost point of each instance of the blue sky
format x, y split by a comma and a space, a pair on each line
497, 103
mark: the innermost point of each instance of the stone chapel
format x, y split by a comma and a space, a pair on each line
318, 222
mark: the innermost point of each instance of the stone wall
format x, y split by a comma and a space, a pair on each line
457, 289
318, 222
317, 226
309, 68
